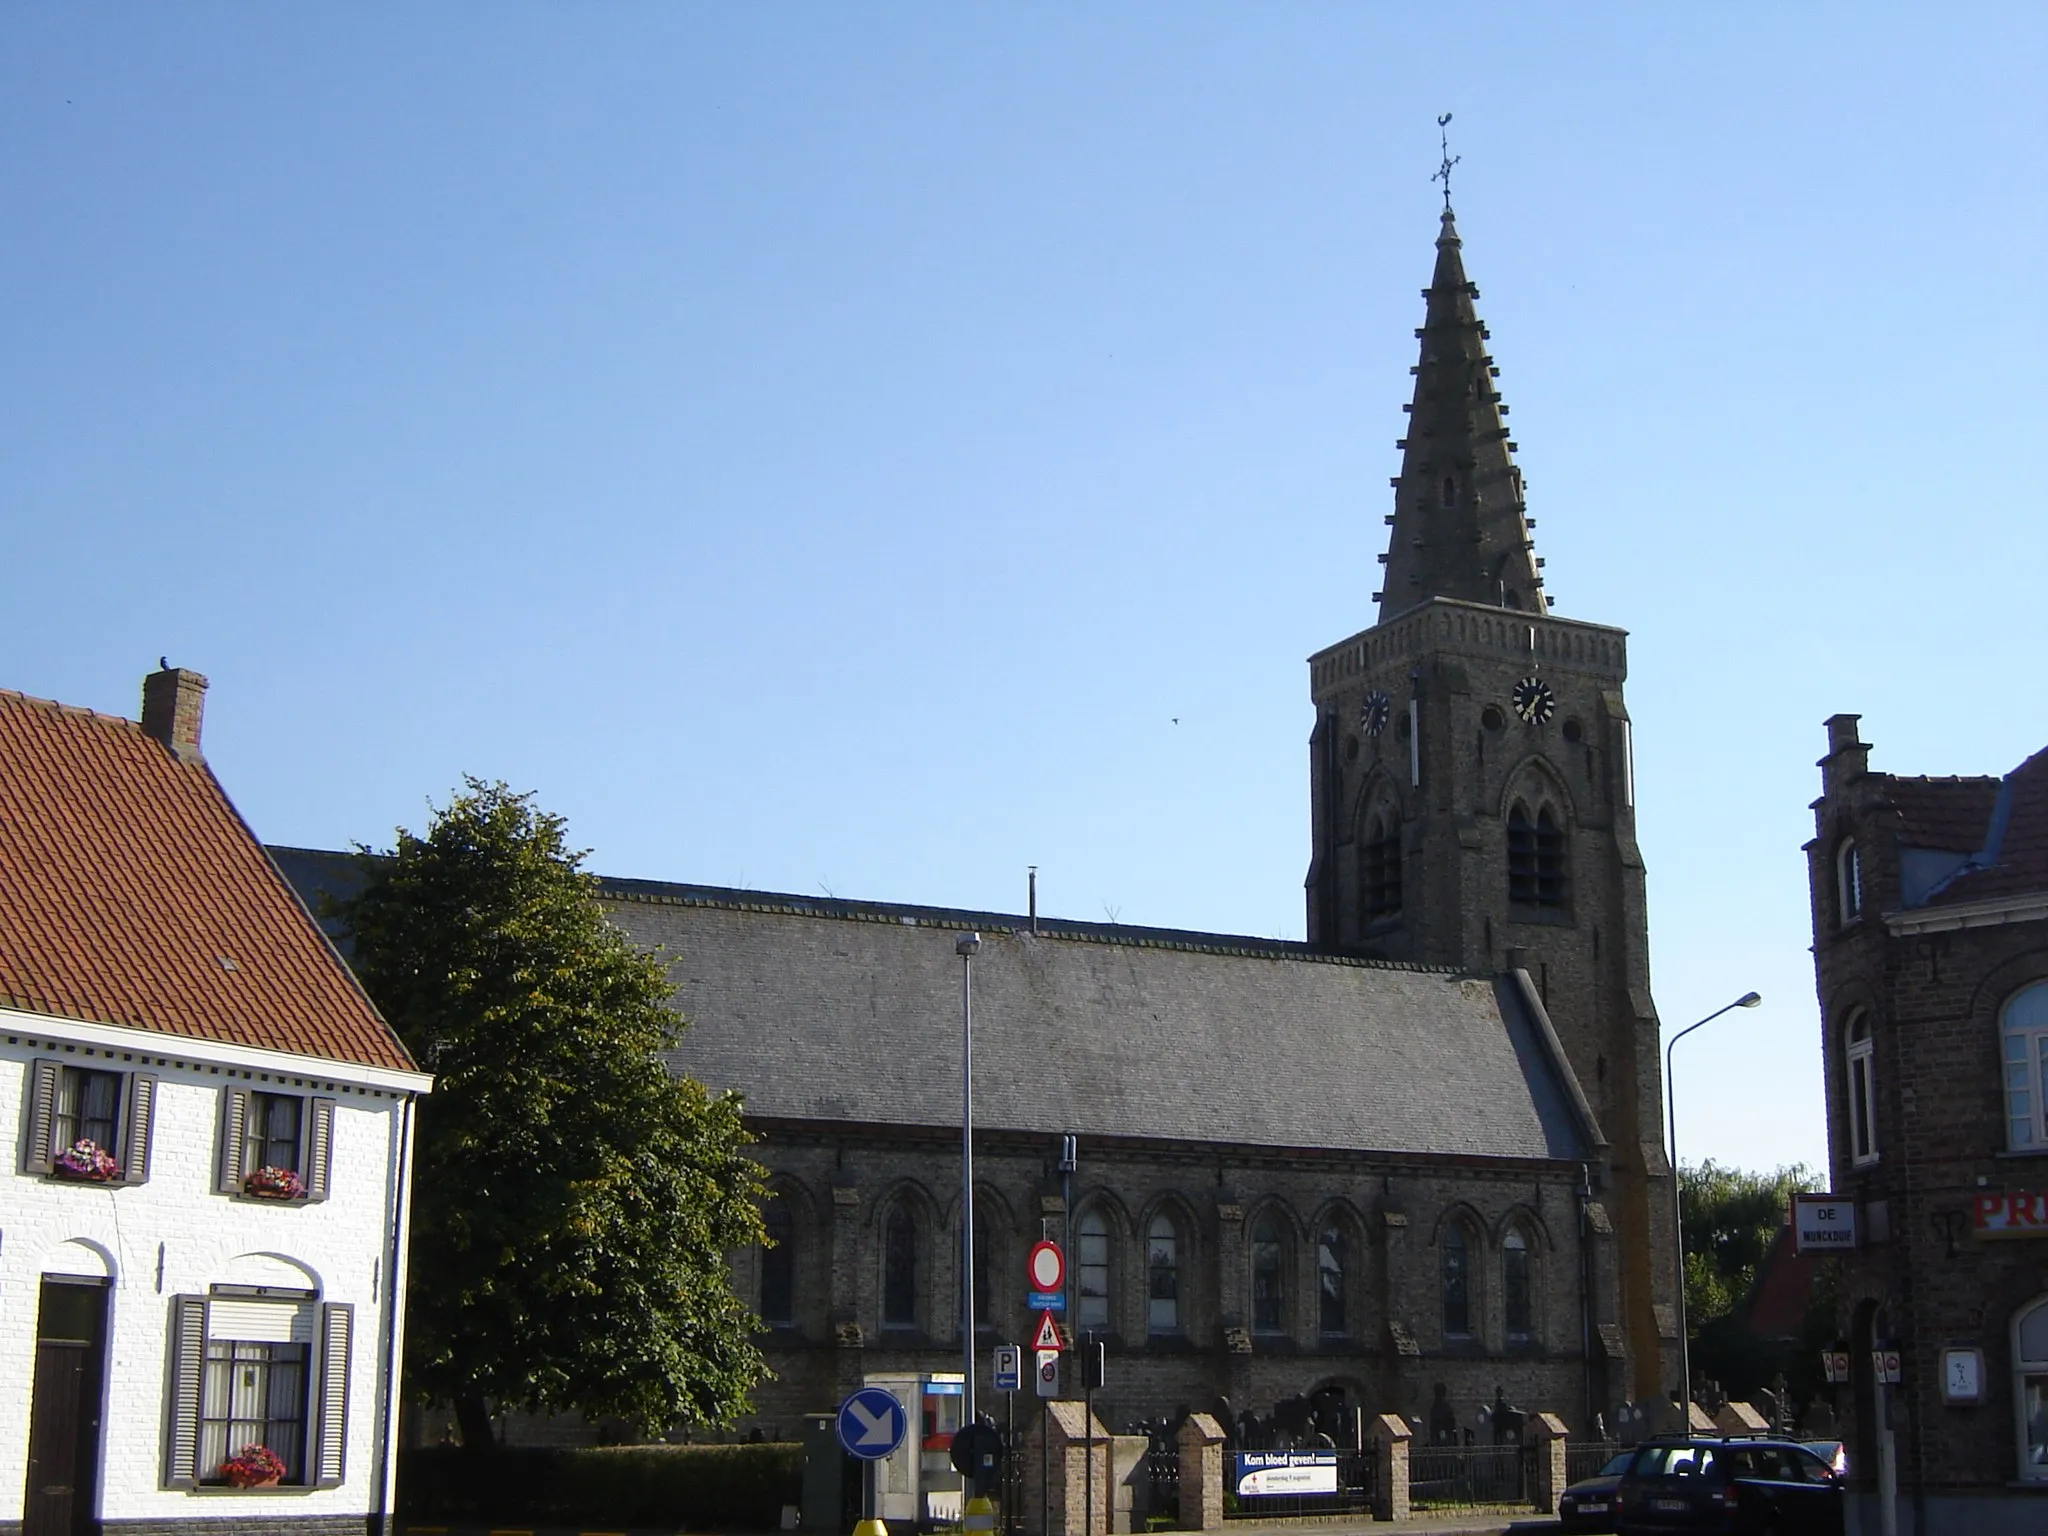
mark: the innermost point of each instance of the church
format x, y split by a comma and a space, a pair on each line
1413, 1160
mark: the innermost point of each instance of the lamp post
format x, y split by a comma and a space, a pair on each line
966, 947
1747, 1000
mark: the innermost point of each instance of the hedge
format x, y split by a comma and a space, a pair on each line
701, 1487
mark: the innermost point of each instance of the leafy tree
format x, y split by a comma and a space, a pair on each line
1732, 1217
573, 1199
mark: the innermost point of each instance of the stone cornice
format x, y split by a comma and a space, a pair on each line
2030, 908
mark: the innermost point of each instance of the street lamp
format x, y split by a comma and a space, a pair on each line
966, 947
1747, 1000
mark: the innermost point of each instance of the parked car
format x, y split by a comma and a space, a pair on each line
1729, 1487
1588, 1505
1832, 1452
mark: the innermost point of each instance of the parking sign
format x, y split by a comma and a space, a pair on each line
1009, 1368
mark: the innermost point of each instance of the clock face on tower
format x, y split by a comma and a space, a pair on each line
1373, 716
1533, 700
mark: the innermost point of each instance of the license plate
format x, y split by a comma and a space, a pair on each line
1670, 1504
1593, 1506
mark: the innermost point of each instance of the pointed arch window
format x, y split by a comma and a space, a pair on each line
778, 1265
1381, 870
1091, 1271
1162, 1275
1536, 857
1330, 1278
2024, 1032
1516, 1294
2030, 1387
1268, 1272
1455, 1277
899, 1270
1861, 1063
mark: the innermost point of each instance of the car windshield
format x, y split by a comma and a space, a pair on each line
1673, 1461
1617, 1465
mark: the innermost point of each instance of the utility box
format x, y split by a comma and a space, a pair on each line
832, 1479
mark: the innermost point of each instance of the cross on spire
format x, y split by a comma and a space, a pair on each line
1443, 173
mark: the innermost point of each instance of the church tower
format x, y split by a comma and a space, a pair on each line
1473, 790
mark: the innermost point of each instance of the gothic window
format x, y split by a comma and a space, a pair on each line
1848, 883
778, 1266
1330, 1281
1091, 1272
1381, 872
1862, 1085
899, 1270
1455, 1258
1162, 1276
1268, 1266
2025, 1054
1536, 862
1514, 1285
2030, 1386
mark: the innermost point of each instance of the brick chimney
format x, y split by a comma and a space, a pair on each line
173, 700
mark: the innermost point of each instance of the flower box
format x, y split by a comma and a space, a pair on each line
274, 1184
86, 1161
258, 1466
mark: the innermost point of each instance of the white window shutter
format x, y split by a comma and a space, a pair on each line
234, 1125
37, 1155
319, 1156
330, 1438
188, 1372
135, 1138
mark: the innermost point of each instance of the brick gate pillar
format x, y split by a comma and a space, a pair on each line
1388, 1436
1064, 1429
1201, 1474
1548, 1432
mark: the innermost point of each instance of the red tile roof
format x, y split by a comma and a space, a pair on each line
1778, 1298
2017, 863
1950, 814
132, 893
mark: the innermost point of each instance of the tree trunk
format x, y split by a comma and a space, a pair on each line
475, 1421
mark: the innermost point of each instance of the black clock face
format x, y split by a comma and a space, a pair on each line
1374, 715
1534, 701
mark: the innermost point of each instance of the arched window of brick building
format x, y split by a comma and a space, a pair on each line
1091, 1271
1861, 1064
1162, 1275
1330, 1281
1516, 1292
2030, 1387
1848, 883
1380, 870
2024, 1027
899, 1270
1536, 857
778, 1266
1455, 1261
1269, 1267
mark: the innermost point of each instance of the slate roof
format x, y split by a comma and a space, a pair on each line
832, 1011
1946, 813
2013, 852
132, 893
846, 1011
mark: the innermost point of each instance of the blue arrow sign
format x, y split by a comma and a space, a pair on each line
871, 1423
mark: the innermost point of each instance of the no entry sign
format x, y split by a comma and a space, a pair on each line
1047, 1267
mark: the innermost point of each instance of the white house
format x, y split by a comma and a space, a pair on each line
202, 1238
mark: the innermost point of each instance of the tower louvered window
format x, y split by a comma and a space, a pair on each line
1382, 868
1536, 863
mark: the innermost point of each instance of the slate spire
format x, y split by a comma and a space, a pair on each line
1458, 521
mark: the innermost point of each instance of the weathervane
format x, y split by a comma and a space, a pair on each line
1443, 173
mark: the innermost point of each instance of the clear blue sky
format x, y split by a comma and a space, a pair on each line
823, 447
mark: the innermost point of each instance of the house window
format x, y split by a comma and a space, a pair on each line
1268, 1293
1330, 1281
1091, 1272
1162, 1276
1514, 1284
71, 1105
899, 1270
778, 1266
254, 1394
1382, 869
1848, 883
271, 1136
1456, 1277
88, 1109
1862, 1090
2024, 1027
1536, 859
276, 1145
2030, 1386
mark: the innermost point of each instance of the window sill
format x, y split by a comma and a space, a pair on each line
229, 1491
273, 1200
1547, 917
68, 1181
2023, 1153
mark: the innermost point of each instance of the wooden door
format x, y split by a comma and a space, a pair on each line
64, 1412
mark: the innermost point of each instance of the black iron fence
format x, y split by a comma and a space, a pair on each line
1468, 1476
1162, 1466
1583, 1459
